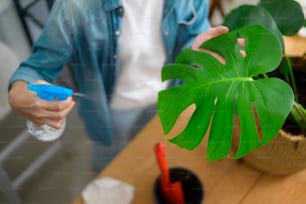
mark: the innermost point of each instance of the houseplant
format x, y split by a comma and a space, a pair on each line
239, 90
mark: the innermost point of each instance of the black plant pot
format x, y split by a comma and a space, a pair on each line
192, 186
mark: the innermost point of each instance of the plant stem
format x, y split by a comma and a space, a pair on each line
299, 114
292, 79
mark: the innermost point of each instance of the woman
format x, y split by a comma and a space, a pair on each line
116, 50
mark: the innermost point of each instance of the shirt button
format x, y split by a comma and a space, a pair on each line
115, 56
120, 10
117, 32
166, 33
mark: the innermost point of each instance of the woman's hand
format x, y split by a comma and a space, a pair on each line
39, 111
211, 33
208, 34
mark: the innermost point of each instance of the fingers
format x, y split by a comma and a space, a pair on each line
243, 53
52, 113
53, 118
216, 31
40, 82
55, 105
210, 33
39, 111
241, 42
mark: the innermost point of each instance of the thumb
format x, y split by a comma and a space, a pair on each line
41, 82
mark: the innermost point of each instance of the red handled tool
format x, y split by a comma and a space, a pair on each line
172, 191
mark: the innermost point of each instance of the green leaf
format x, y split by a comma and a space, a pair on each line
245, 15
288, 15
220, 91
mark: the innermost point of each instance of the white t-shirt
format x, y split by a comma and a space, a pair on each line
142, 55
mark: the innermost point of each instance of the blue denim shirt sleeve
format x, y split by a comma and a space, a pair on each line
84, 33
182, 21
51, 51
192, 19
79, 31
199, 21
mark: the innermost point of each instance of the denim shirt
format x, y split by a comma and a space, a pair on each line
85, 33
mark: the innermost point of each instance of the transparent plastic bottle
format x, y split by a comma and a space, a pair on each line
45, 133
50, 93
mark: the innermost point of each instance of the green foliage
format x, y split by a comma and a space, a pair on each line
283, 17
220, 91
251, 15
287, 14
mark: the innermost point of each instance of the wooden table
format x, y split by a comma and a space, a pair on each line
295, 45
225, 181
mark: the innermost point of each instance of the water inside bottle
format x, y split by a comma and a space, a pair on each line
45, 132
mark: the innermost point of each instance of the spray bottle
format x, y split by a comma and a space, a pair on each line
50, 93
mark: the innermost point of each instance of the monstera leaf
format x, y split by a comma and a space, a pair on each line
288, 15
244, 16
221, 90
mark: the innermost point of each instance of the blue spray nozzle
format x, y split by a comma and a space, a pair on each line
51, 92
